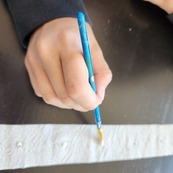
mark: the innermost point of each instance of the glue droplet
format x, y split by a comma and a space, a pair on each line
64, 144
19, 144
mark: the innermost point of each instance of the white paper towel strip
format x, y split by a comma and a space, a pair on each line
23, 146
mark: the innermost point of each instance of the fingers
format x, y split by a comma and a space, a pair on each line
102, 72
32, 78
76, 80
54, 70
71, 91
41, 82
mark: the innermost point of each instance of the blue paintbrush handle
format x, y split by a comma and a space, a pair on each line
87, 57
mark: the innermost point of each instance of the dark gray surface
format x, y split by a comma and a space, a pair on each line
137, 41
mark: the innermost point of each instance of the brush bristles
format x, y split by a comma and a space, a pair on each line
101, 136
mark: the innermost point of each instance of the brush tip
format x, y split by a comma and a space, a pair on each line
100, 132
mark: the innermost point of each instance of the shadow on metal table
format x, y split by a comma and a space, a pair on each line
137, 40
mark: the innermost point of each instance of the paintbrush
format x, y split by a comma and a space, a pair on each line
88, 61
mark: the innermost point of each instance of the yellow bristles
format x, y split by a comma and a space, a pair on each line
101, 136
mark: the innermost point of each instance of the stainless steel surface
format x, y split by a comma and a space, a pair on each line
137, 41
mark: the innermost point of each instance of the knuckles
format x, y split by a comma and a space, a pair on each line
67, 36
108, 75
52, 99
49, 98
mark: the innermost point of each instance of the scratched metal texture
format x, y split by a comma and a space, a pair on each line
137, 41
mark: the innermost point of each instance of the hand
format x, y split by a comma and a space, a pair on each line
166, 5
57, 69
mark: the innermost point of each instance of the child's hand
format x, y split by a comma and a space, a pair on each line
57, 69
166, 5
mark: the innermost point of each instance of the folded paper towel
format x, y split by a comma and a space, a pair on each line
23, 146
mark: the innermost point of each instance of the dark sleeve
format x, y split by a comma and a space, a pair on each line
28, 15
170, 17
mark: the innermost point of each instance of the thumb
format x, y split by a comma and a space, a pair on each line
102, 72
